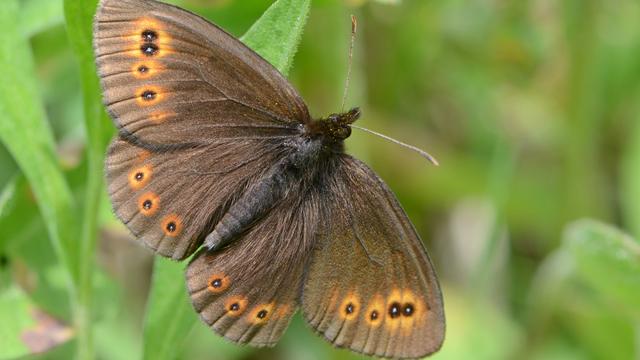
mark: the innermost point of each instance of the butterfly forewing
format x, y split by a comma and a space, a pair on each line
170, 76
371, 286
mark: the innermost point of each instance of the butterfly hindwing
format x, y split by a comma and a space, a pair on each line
370, 286
248, 291
169, 76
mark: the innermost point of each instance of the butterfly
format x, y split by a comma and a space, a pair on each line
218, 159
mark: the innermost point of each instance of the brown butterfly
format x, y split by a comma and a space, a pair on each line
217, 151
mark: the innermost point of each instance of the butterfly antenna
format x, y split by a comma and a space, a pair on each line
422, 153
354, 27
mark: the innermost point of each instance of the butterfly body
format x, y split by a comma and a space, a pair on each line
298, 169
217, 159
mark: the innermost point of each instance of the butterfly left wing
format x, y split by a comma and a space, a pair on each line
370, 286
249, 290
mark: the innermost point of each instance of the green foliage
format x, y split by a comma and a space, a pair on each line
609, 262
277, 33
530, 107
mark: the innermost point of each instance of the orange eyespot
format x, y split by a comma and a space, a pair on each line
140, 176
145, 69
218, 283
161, 116
375, 313
349, 307
148, 203
260, 314
403, 309
172, 225
283, 311
393, 309
143, 155
236, 305
149, 39
149, 95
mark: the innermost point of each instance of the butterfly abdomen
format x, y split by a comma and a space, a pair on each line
267, 192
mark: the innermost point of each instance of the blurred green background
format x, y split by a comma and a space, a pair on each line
532, 108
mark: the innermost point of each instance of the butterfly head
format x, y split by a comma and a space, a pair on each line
336, 127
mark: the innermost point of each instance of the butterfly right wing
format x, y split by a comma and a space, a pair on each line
171, 77
370, 285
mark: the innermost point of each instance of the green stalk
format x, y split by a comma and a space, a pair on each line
79, 18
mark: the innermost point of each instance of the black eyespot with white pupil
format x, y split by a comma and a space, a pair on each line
394, 310
149, 35
148, 95
149, 49
374, 315
139, 176
408, 309
349, 308
171, 227
234, 307
262, 314
147, 204
215, 283
143, 69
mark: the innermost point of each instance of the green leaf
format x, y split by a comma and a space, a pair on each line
276, 35
25, 132
79, 19
25, 329
607, 260
630, 179
39, 15
15, 319
7, 196
170, 315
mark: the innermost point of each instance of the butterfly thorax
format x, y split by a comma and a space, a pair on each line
321, 139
